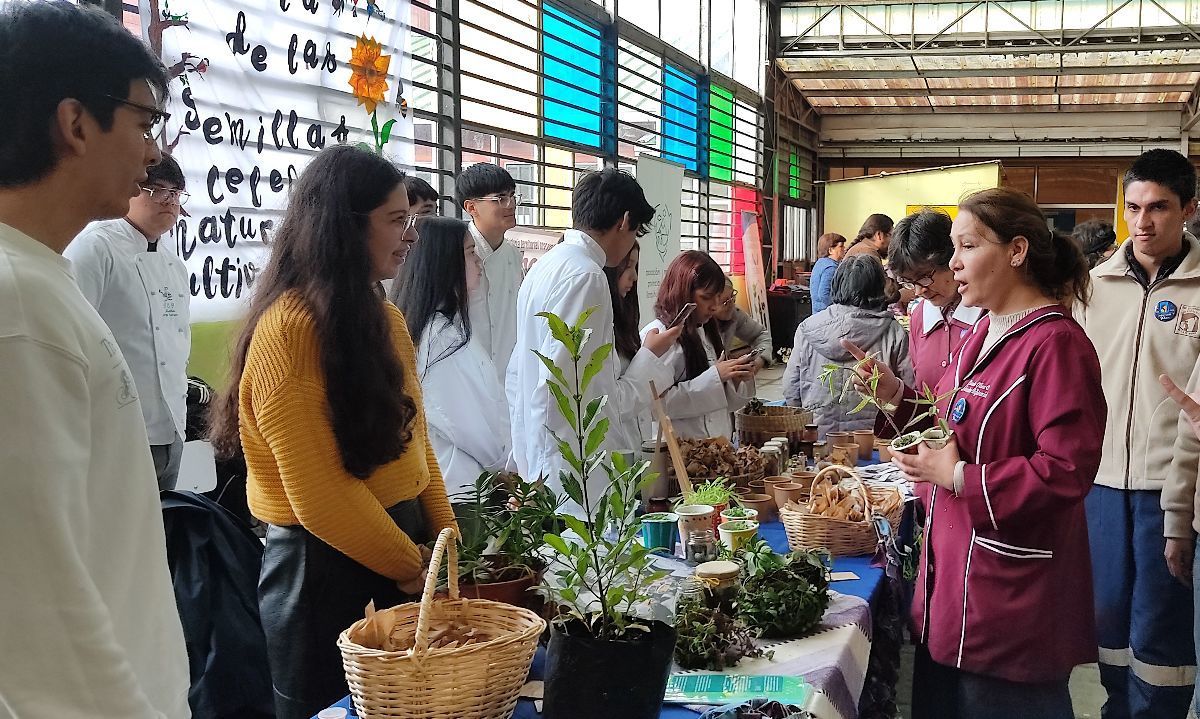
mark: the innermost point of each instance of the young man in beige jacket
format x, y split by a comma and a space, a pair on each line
1143, 320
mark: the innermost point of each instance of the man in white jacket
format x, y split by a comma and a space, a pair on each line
609, 211
88, 623
489, 196
141, 292
1138, 319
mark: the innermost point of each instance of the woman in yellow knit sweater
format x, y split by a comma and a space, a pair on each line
328, 411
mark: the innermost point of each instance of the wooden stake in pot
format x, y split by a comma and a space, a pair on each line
668, 432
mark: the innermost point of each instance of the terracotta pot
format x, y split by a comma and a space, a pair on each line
739, 491
758, 486
844, 454
832, 439
515, 592
763, 503
865, 439
804, 479
777, 479
885, 451
789, 492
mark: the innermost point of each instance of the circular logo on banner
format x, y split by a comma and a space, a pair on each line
959, 410
1165, 311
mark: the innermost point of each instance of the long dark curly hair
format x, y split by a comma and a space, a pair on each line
320, 252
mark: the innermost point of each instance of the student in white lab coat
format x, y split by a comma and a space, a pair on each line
610, 211
707, 388
464, 401
622, 282
488, 195
141, 291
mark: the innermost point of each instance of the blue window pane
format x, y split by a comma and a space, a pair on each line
681, 117
571, 52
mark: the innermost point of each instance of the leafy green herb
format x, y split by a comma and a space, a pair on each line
782, 595
708, 638
600, 575
713, 493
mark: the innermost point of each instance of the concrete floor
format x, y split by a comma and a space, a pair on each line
1086, 692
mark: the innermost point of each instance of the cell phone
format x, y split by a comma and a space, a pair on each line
753, 354
684, 313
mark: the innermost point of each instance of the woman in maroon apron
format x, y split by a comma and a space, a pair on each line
1003, 607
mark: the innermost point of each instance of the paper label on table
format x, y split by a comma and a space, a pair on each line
842, 576
723, 688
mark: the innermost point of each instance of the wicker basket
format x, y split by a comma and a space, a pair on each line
841, 537
476, 681
757, 429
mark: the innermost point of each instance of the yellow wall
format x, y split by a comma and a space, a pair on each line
211, 345
849, 202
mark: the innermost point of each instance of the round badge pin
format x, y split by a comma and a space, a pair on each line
1165, 311
959, 410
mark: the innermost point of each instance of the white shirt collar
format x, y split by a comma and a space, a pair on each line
582, 239
931, 315
483, 248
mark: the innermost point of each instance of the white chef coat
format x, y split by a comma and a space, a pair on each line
143, 298
89, 622
566, 281
493, 307
465, 406
699, 407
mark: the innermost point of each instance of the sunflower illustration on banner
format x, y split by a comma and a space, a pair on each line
369, 79
259, 88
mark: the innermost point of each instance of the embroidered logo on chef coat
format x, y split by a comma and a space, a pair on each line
959, 410
1189, 322
1165, 311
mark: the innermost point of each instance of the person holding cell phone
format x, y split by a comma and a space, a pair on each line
708, 387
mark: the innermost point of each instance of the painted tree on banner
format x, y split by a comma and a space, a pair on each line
258, 87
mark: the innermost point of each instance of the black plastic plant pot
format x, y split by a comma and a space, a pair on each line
589, 678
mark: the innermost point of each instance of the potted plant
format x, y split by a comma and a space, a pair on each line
715, 494
502, 522
782, 595
905, 441
735, 513
603, 659
738, 533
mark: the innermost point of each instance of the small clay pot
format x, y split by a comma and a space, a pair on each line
832, 439
810, 433
758, 486
804, 479
739, 491
789, 492
866, 442
844, 454
763, 503
885, 451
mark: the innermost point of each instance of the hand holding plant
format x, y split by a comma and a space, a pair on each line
935, 466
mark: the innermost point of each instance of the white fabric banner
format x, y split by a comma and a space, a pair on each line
662, 182
258, 88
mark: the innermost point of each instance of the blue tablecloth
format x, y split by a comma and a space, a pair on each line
867, 586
